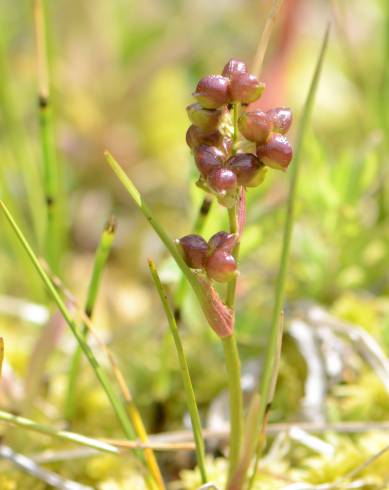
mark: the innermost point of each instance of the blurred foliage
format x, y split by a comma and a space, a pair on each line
122, 73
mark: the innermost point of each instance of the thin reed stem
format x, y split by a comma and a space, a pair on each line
267, 378
189, 392
28, 424
231, 352
265, 37
50, 168
101, 258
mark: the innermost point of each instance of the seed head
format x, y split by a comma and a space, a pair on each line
196, 137
194, 249
220, 266
212, 91
281, 117
234, 68
222, 180
276, 153
245, 166
255, 126
245, 88
208, 158
205, 119
222, 241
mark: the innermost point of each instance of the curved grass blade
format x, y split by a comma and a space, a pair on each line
190, 396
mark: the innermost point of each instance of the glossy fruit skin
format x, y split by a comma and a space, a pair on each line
195, 137
205, 119
222, 179
194, 250
281, 117
223, 241
233, 68
208, 158
245, 88
220, 266
255, 126
276, 153
212, 91
245, 166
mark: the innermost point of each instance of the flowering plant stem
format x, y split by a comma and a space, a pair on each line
230, 346
189, 392
50, 168
101, 257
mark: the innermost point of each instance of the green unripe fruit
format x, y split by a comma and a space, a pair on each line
205, 119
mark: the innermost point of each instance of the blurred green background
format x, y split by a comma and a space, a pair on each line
122, 73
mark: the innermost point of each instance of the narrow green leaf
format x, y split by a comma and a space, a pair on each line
189, 392
267, 380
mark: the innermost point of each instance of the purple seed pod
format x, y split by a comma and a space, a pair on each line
196, 137
223, 241
281, 117
208, 158
276, 153
245, 166
234, 68
220, 266
212, 91
205, 119
222, 179
255, 126
245, 88
194, 249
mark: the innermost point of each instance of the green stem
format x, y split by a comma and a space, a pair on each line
267, 378
231, 352
50, 168
101, 258
189, 392
100, 373
60, 434
236, 401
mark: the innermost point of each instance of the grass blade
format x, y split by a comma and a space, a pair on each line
50, 168
101, 258
28, 424
265, 37
100, 373
190, 396
267, 379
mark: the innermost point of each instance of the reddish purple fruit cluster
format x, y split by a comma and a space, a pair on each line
215, 257
223, 168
